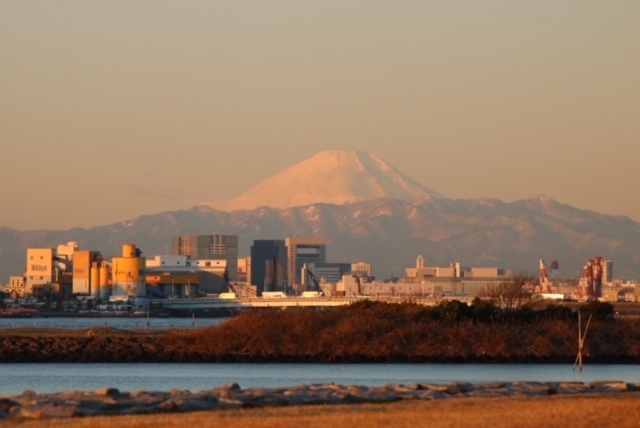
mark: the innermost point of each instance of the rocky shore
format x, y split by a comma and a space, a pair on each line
110, 401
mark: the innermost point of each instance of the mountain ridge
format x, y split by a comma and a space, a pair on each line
385, 232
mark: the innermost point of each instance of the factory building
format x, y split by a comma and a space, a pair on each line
428, 281
16, 286
52, 271
85, 281
40, 268
301, 251
167, 284
209, 247
359, 286
180, 276
420, 271
361, 269
65, 253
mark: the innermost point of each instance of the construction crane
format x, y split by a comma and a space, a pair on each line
229, 291
315, 282
306, 272
545, 282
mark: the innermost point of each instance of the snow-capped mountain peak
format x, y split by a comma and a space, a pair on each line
334, 177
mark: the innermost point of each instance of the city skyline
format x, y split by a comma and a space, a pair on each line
111, 111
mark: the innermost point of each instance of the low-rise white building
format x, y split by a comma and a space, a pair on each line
211, 275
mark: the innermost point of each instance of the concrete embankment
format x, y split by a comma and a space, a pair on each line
110, 401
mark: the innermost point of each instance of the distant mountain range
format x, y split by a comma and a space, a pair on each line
377, 215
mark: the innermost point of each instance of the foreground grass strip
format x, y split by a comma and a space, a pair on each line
601, 410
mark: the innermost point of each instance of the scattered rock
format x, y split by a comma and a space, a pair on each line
609, 385
109, 401
111, 392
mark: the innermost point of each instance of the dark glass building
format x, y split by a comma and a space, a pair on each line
269, 265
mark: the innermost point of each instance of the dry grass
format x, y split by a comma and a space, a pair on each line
619, 410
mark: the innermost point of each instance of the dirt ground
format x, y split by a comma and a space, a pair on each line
610, 410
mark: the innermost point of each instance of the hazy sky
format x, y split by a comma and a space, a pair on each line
113, 109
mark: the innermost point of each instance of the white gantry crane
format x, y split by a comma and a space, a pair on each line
545, 282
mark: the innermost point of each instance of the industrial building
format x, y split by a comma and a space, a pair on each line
16, 286
208, 266
209, 247
180, 276
361, 269
40, 268
427, 281
86, 265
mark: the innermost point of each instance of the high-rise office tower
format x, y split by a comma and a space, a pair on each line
269, 265
301, 250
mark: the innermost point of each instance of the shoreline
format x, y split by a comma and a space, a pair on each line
100, 315
111, 401
598, 410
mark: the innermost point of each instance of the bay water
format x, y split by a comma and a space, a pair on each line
114, 322
57, 377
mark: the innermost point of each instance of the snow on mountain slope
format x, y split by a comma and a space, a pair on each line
334, 177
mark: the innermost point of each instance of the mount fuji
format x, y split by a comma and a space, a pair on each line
337, 177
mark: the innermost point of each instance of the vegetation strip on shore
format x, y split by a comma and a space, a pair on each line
110, 401
452, 332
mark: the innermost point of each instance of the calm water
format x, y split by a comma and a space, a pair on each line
115, 322
53, 377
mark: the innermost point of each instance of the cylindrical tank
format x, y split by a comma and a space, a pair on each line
128, 273
128, 250
126, 278
105, 288
95, 279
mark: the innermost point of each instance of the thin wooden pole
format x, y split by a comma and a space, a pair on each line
581, 338
579, 356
